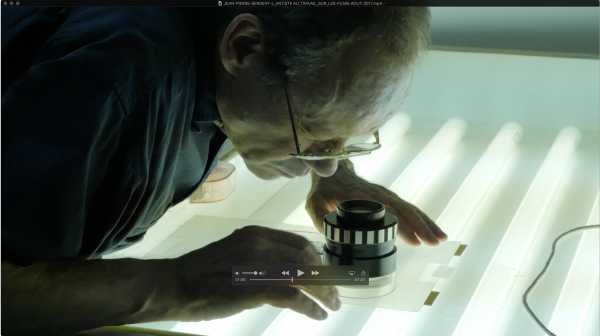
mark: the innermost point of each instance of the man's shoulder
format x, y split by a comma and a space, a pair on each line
107, 37
130, 45
160, 30
147, 38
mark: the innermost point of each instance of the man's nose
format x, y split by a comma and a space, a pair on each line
323, 168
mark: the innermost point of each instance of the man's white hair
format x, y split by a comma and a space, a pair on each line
402, 31
302, 39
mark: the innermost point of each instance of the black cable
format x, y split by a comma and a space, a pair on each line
537, 278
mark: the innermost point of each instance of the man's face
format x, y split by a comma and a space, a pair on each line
353, 96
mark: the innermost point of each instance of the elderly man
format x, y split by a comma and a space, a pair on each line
112, 115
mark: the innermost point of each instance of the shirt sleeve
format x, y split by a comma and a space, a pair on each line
61, 124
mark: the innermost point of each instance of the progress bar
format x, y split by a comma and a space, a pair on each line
284, 275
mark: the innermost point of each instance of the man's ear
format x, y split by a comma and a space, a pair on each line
242, 39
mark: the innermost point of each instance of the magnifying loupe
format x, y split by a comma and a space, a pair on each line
360, 233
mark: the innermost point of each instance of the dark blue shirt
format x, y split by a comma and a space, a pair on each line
107, 121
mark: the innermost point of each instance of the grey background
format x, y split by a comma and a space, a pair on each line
545, 29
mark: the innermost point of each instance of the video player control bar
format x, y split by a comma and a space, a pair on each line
286, 275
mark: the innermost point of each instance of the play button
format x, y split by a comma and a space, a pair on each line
299, 272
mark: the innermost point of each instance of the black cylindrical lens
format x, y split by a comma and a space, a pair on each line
360, 212
362, 234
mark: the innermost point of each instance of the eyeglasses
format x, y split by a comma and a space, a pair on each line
348, 151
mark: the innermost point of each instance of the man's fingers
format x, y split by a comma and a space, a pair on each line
280, 254
328, 295
310, 256
410, 220
317, 218
293, 298
423, 225
423, 230
432, 226
408, 234
317, 208
410, 223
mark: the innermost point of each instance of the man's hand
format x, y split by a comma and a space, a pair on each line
345, 185
64, 297
205, 276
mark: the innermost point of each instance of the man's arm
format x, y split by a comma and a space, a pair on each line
64, 297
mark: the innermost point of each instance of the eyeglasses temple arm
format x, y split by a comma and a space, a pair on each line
287, 97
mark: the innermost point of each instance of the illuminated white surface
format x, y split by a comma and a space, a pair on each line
430, 162
461, 219
484, 177
386, 322
566, 210
292, 323
576, 297
481, 315
591, 324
